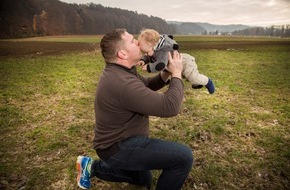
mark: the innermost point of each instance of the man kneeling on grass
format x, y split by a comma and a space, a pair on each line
124, 101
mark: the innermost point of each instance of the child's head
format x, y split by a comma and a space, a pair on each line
147, 39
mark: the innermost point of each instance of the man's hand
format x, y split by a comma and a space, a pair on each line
175, 65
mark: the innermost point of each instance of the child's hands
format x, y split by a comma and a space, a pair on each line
141, 62
143, 65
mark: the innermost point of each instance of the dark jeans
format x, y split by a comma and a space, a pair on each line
138, 155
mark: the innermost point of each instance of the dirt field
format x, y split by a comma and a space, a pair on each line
11, 48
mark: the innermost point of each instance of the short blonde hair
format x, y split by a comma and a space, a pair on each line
149, 35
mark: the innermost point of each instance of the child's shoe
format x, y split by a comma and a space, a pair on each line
84, 171
196, 86
210, 86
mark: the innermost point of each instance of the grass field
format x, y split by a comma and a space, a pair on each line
240, 135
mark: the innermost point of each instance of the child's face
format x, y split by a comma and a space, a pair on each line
146, 48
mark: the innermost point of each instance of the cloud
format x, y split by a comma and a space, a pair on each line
249, 12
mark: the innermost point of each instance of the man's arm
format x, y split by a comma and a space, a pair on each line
175, 65
165, 75
144, 100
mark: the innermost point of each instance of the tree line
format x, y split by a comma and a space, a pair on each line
281, 31
273, 31
27, 18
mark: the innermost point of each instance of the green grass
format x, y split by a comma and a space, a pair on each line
240, 135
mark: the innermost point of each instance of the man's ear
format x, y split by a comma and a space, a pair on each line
122, 54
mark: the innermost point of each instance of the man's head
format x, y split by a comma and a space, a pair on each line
110, 44
118, 46
147, 39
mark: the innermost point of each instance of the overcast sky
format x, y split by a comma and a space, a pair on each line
248, 12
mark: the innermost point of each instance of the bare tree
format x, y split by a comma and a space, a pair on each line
43, 17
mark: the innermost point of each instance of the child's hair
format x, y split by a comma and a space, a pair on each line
150, 35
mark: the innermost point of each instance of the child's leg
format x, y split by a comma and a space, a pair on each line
190, 71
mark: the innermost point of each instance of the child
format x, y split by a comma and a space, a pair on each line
156, 47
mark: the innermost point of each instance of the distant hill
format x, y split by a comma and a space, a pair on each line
188, 28
223, 28
199, 28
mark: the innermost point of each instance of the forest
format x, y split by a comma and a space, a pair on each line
29, 18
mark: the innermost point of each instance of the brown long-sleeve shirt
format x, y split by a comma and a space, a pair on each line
125, 99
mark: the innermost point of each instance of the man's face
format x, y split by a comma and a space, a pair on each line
146, 47
131, 46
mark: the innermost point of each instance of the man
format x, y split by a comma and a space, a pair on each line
124, 100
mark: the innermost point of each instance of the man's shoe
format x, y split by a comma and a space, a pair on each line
210, 86
84, 171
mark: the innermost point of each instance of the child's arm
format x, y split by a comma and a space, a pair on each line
146, 59
144, 62
159, 63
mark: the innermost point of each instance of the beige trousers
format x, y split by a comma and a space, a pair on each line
190, 71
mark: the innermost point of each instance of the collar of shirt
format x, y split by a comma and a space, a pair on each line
130, 70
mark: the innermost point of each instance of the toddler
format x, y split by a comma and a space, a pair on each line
156, 47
